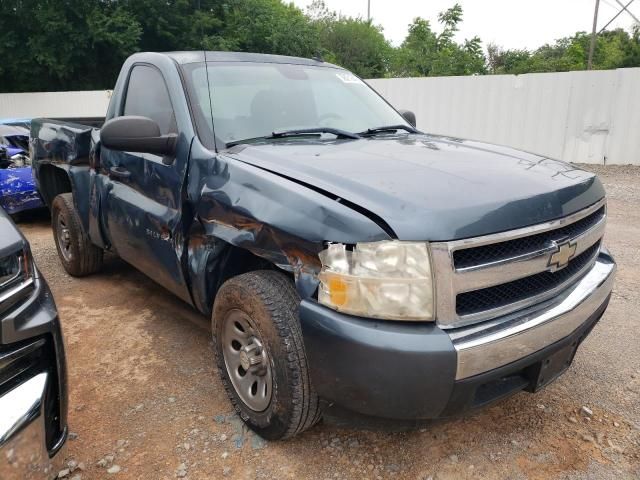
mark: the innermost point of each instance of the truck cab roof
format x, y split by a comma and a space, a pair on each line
186, 57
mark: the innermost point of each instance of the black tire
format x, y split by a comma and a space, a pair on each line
270, 300
78, 255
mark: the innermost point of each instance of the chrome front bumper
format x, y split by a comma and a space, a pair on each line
499, 342
23, 450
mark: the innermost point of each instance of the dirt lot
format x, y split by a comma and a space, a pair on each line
146, 402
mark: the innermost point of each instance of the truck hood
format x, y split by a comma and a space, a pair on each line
432, 188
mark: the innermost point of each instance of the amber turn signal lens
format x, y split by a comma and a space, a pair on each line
337, 291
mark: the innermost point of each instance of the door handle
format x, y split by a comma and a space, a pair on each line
119, 173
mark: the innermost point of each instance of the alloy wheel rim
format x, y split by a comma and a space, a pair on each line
247, 361
64, 238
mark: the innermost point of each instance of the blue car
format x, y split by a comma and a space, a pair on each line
18, 192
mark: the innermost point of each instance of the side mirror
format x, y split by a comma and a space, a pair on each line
137, 134
409, 116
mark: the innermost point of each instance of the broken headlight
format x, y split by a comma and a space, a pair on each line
388, 280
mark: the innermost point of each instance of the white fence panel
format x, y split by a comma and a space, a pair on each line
589, 117
91, 103
624, 140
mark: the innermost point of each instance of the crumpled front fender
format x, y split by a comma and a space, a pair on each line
273, 217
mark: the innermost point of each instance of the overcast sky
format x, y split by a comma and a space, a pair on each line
510, 23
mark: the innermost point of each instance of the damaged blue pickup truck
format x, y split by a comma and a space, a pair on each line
349, 262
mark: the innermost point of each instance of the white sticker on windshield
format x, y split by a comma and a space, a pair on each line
347, 77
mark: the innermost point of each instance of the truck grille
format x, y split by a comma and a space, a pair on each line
518, 290
470, 257
486, 277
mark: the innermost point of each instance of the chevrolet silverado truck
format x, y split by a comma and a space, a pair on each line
33, 381
349, 263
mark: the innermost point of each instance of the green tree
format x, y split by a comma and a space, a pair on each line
268, 26
353, 43
632, 49
427, 53
614, 49
80, 44
72, 44
501, 61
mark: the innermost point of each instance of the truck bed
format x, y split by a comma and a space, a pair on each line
59, 141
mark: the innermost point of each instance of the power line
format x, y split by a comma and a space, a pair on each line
594, 35
624, 8
628, 11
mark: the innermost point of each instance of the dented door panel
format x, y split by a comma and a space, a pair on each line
141, 194
143, 215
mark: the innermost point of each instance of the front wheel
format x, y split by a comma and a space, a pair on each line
260, 354
78, 255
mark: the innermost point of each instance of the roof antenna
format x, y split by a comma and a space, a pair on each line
318, 57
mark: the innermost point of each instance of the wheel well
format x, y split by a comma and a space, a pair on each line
233, 262
238, 261
52, 182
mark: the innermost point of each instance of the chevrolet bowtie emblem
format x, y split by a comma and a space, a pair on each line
560, 258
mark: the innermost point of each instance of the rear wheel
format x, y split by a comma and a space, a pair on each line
78, 255
260, 354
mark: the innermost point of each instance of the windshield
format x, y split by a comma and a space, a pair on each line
250, 100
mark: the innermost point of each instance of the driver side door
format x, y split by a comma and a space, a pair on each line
143, 202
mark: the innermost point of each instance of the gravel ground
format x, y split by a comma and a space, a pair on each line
146, 402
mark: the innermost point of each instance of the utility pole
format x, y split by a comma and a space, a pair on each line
592, 47
369, 10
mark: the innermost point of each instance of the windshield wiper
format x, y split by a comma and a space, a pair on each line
315, 130
388, 128
299, 132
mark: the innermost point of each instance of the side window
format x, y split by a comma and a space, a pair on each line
147, 96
